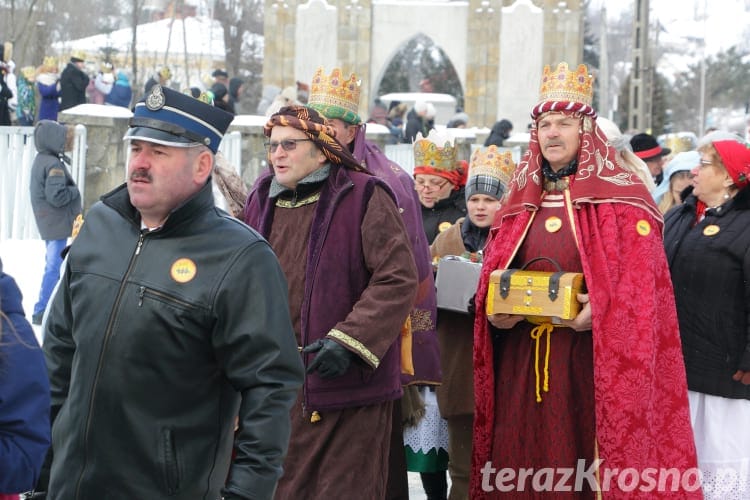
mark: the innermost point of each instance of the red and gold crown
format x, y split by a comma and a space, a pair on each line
493, 163
436, 151
565, 85
335, 97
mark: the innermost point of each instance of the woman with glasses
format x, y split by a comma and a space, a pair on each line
708, 249
439, 180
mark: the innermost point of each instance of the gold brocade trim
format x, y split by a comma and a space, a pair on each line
536, 334
355, 344
558, 185
421, 320
298, 203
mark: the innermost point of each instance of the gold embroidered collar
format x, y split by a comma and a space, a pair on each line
298, 203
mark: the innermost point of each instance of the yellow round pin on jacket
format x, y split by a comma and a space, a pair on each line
643, 227
183, 270
552, 224
711, 230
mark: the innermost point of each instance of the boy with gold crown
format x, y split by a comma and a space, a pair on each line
599, 402
490, 172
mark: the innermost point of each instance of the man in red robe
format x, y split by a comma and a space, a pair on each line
596, 404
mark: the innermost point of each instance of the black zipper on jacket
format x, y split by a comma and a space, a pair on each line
102, 353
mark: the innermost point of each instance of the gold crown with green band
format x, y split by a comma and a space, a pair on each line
335, 97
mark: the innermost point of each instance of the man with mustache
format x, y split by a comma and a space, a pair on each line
171, 320
558, 395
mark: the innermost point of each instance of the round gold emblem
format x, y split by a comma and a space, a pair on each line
711, 230
552, 224
443, 226
643, 227
183, 270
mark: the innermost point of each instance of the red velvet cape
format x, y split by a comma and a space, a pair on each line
642, 414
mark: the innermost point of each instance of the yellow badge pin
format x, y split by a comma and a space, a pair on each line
183, 270
711, 230
643, 227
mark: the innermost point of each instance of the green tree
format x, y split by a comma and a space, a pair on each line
727, 86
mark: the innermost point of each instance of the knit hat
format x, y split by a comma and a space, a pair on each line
490, 172
735, 155
647, 148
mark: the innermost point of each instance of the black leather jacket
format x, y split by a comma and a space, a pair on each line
155, 342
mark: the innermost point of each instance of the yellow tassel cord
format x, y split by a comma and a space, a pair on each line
315, 417
536, 333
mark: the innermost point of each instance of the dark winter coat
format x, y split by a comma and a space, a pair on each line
5, 94
121, 93
444, 213
710, 268
155, 342
49, 93
73, 83
24, 395
55, 198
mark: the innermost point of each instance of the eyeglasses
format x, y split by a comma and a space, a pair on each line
286, 144
437, 186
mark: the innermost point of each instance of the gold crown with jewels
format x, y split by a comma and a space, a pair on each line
565, 85
437, 150
493, 163
335, 96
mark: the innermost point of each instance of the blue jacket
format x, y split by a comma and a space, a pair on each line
121, 93
24, 395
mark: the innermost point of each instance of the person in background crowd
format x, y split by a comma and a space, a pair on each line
161, 77
190, 331
499, 133
24, 396
73, 82
56, 202
48, 85
439, 180
220, 76
337, 99
624, 152
6, 94
678, 176
708, 249
99, 88
221, 97
287, 97
459, 120
417, 122
121, 93
236, 88
490, 172
26, 106
352, 282
614, 371
646, 147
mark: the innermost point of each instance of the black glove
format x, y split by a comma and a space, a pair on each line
471, 307
332, 359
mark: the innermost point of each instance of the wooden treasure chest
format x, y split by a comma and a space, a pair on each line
535, 293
